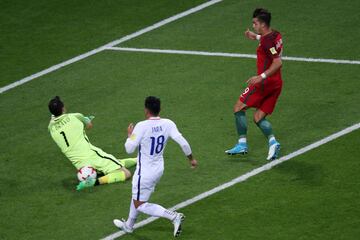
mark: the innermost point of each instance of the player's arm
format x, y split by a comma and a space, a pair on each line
89, 125
185, 146
251, 35
87, 121
275, 53
275, 66
183, 143
133, 139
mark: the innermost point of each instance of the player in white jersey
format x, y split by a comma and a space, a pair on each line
150, 137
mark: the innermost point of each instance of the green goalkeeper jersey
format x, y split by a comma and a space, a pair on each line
68, 132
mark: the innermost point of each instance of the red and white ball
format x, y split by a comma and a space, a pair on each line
85, 173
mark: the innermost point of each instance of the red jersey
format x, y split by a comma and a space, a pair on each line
270, 47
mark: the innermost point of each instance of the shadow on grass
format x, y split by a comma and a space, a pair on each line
303, 173
153, 230
244, 159
69, 183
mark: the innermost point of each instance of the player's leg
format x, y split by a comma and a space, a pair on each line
128, 162
266, 108
241, 127
249, 98
141, 192
154, 209
266, 128
128, 225
151, 209
263, 124
112, 169
157, 210
119, 175
143, 187
240, 120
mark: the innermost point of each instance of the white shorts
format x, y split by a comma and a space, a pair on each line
144, 185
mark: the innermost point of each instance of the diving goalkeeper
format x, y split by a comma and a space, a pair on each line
68, 132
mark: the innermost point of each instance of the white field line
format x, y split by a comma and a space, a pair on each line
244, 177
233, 55
110, 44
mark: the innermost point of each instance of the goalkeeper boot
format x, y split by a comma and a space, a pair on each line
274, 150
85, 184
240, 148
121, 224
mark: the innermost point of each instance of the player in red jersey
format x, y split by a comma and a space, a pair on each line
263, 89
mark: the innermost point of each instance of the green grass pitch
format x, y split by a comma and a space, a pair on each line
314, 196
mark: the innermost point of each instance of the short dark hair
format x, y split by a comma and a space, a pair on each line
263, 15
153, 105
56, 106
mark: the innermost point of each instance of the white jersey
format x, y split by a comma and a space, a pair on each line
151, 136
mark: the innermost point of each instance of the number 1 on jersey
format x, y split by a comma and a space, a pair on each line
66, 141
159, 144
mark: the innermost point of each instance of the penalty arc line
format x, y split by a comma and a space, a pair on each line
244, 177
110, 44
233, 55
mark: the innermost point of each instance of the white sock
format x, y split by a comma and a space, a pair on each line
271, 138
132, 215
242, 140
156, 210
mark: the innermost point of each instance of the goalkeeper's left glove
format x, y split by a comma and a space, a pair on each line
89, 119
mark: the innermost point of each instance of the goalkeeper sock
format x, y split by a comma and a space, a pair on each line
116, 176
241, 123
265, 127
128, 162
156, 210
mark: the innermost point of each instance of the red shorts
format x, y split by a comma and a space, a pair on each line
262, 96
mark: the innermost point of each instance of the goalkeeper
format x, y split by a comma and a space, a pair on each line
68, 132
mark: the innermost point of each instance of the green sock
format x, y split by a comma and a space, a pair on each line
241, 124
128, 162
265, 127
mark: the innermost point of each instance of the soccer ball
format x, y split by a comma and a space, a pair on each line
86, 172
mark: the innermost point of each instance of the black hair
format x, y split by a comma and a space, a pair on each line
262, 15
56, 106
153, 105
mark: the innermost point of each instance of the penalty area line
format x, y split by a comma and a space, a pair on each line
232, 55
244, 177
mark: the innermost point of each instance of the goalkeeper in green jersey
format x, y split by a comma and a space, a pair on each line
68, 132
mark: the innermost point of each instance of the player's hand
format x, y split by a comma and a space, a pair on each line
130, 129
88, 121
193, 163
254, 80
250, 35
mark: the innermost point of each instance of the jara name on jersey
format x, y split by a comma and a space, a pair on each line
61, 123
156, 129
